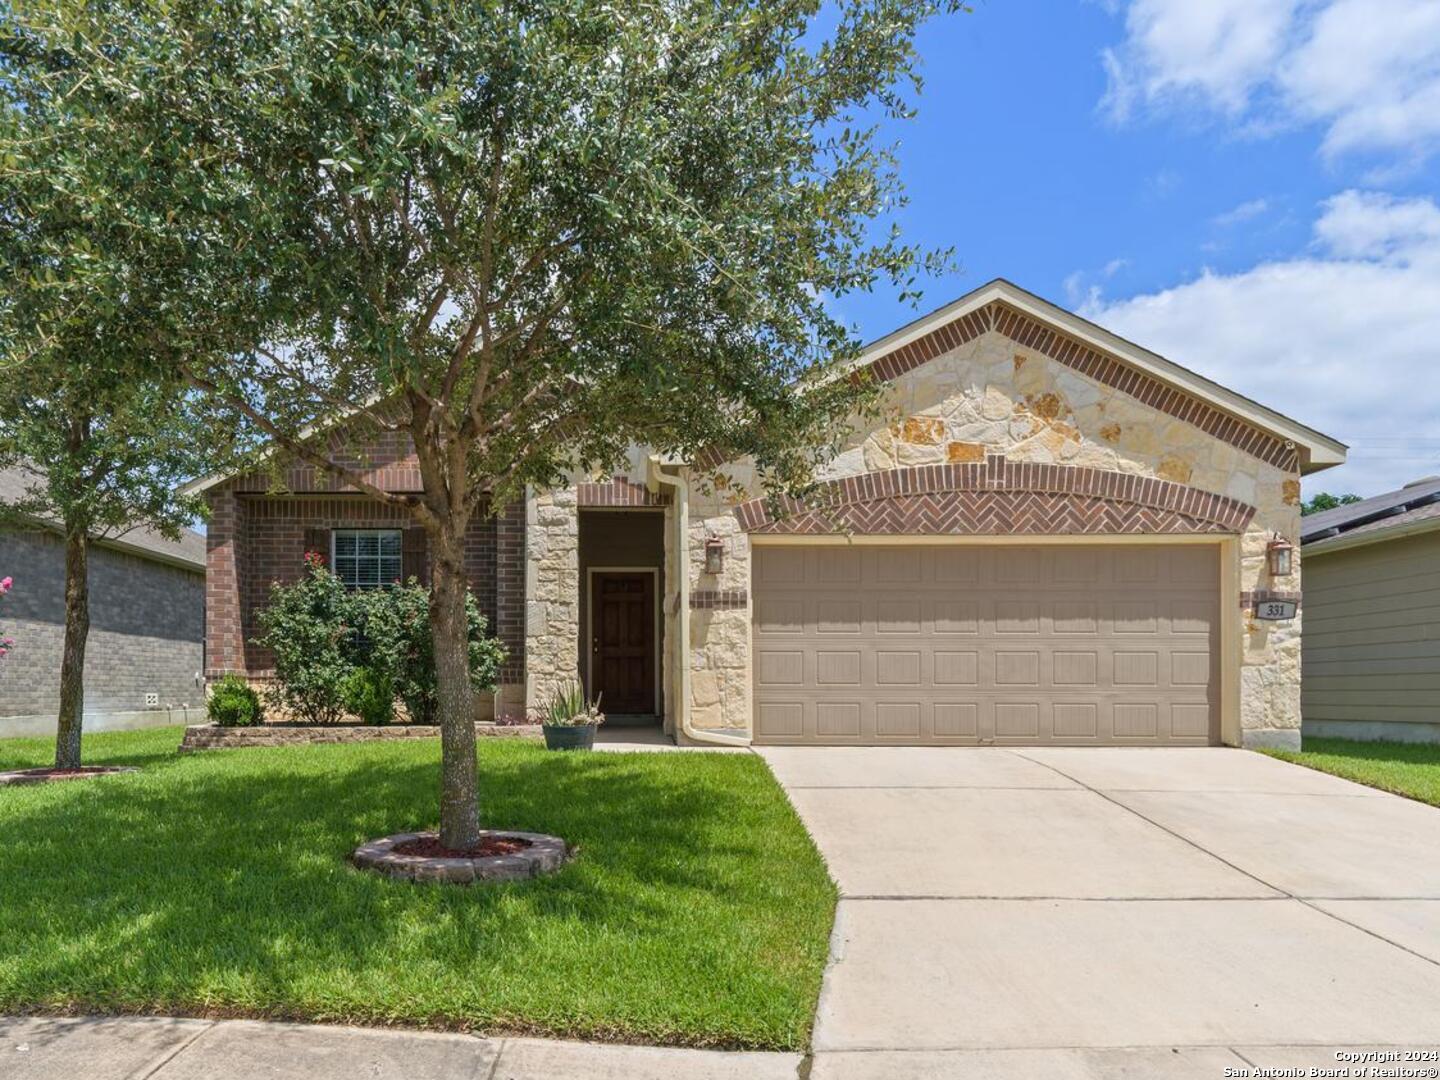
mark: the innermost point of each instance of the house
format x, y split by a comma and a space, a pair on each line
1372, 637
1055, 536
144, 659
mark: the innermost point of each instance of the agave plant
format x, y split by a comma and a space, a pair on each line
569, 707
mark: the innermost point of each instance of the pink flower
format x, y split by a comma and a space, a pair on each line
5, 584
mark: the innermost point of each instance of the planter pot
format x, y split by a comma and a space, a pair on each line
568, 737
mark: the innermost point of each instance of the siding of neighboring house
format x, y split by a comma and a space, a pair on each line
1372, 640
147, 628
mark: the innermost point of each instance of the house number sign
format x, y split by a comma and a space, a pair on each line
1275, 610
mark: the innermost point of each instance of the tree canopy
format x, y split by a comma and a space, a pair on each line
525, 234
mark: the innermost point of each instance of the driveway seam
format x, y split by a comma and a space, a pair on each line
499, 1056
1254, 877
1162, 828
211, 1026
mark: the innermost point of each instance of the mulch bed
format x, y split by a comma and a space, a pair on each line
429, 847
45, 776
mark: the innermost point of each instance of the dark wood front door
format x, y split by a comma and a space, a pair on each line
622, 620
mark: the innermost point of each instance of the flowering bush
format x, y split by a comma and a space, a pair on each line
308, 628
339, 652
6, 643
394, 637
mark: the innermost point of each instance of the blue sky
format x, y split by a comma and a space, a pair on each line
1249, 187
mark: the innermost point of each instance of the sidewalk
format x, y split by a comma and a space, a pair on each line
158, 1048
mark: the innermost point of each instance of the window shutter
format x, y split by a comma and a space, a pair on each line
318, 540
412, 556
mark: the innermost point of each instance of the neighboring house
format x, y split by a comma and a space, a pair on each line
144, 659
1372, 626
1056, 537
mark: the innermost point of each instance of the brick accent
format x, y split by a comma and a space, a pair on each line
254, 541
1109, 370
998, 497
618, 491
713, 599
224, 599
387, 459
510, 590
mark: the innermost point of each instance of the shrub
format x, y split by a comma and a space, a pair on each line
395, 639
309, 627
233, 703
322, 636
369, 695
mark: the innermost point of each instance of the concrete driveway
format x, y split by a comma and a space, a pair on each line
1087, 913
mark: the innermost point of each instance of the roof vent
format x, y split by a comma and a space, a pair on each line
1421, 482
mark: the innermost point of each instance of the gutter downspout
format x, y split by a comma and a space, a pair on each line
682, 615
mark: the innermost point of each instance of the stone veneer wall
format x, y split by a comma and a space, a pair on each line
552, 593
991, 395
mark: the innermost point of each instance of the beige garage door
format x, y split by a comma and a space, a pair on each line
975, 644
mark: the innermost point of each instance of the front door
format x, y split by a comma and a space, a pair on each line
622, 627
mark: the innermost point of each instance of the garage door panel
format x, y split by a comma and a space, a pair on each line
952, 654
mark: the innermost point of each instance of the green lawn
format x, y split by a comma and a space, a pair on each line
1410, 769
698, 911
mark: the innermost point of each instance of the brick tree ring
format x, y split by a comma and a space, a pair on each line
502, 856
55, 776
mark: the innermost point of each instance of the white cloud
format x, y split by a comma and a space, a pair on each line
1344, 338
1242, 213
1368, 70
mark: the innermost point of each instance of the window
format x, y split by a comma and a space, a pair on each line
366, 558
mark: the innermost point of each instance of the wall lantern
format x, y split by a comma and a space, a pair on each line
1280, 554
714, 555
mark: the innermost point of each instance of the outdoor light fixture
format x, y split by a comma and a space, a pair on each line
714, 555
1279, 553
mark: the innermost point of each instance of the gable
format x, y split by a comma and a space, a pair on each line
1067, 340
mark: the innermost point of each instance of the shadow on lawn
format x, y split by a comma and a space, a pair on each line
156, 747
223, 880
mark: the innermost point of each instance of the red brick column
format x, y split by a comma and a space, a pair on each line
510, 607
224, 623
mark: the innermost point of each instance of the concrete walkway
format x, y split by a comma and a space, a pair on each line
1097, 913
153, 1048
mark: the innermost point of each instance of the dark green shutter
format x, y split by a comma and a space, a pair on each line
412, 556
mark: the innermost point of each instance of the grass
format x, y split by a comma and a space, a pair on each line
697, 913
1409, 769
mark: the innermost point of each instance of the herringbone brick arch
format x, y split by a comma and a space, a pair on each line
998, 497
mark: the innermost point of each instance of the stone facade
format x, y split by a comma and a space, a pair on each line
990, 396
994, 422
147, 629
552, 593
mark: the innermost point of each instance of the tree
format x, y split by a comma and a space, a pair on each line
1325, 501
112, 461
104, 429
526, 235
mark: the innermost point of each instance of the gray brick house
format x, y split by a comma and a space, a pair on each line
145, 657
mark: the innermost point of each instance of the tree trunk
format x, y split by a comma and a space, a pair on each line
72, 663
455, 697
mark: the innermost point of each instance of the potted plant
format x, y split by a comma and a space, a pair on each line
569, 719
